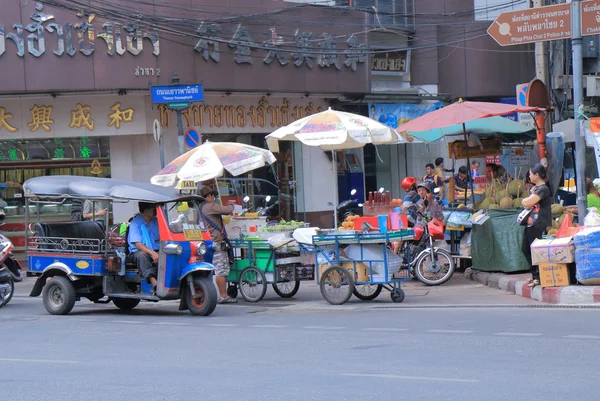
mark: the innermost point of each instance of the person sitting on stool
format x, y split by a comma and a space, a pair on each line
144, 242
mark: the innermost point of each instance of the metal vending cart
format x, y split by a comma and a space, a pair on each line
257, 263
361, 264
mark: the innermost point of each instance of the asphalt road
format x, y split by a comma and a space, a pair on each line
277, 351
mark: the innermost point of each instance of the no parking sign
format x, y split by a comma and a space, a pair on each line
191, 137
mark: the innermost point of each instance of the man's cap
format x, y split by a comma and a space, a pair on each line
208, 190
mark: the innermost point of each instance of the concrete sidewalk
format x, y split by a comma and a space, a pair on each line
517, 284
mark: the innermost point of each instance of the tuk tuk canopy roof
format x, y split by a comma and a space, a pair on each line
65, 186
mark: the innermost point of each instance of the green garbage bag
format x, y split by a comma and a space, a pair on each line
496, 244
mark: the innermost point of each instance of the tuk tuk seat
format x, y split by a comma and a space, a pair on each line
80, 236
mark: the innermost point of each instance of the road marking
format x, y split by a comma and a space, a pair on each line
323, 327
59, 361
383, 329
126, 321
421, 378
269, 326
510, 333
222, 325
451, 331
170, 324
583, 337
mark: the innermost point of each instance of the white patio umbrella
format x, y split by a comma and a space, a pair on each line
333, 130
210, 161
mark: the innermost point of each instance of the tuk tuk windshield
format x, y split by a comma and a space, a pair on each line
183, 215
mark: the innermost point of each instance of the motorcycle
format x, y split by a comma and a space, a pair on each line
431, 265
10, 269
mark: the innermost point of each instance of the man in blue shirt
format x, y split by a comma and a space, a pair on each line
144, 242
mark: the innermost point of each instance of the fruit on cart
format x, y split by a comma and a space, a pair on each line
500, 195
494, 206
557, 210
461, 206
485, 204
506, 202
515, 187
517, 202
284, 226
552, 232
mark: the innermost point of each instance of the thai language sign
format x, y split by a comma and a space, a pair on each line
533, 25
178, 93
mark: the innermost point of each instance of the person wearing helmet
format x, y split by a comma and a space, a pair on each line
409, 185
427, 205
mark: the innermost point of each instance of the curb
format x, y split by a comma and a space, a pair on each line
570, 295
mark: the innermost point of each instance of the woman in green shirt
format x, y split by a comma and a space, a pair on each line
593, 197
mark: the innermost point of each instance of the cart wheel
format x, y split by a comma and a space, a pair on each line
253, 284
59, 296
336, 285
232, 291
205, 301
397, 295
435, 273
125, 303
367, 292
286, 289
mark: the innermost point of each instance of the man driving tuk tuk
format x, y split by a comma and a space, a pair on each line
144, 242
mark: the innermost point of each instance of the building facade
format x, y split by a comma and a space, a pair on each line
75, 86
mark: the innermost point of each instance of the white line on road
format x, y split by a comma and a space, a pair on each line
323, 327
222, 325
451, 331
421, 378
269, 326
170, 324
582, 337
126, 321
59, 361
510, 333
383, 329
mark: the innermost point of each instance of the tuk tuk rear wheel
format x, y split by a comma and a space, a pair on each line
59, 296
125, 303
205, 301
8, 296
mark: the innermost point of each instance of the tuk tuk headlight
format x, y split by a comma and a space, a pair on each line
201, 248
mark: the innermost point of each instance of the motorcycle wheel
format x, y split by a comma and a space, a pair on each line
8, 296
442, 268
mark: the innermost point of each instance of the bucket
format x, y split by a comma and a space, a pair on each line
383, 220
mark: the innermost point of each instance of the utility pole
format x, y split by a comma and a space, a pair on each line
576, 45
175, 81
541, 53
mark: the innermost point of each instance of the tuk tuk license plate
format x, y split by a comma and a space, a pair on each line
193, 234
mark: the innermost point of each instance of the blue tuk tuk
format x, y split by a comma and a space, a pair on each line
85, 259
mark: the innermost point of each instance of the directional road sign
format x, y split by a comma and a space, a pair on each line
532, 25
590, 17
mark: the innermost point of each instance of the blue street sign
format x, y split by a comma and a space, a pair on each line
191, 138
177, 93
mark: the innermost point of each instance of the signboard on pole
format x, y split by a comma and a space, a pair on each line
156, 130
524, 118
533, 25
590, 17
177, 93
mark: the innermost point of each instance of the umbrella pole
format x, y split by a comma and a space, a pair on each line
217, 189
468, 166
335, 190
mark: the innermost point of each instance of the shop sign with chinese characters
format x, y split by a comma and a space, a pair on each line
243, 114
88, 35
72, 117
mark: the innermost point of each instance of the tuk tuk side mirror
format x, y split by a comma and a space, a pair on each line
267, 199
246, 199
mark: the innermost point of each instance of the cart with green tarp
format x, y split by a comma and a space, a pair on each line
257, 263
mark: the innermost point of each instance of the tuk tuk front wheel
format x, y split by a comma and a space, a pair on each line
205, 301
125, 303
59, 296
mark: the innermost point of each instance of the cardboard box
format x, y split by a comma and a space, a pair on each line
559, 250
361, 274
554, 274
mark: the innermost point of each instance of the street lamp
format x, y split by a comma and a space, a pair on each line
175, 81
